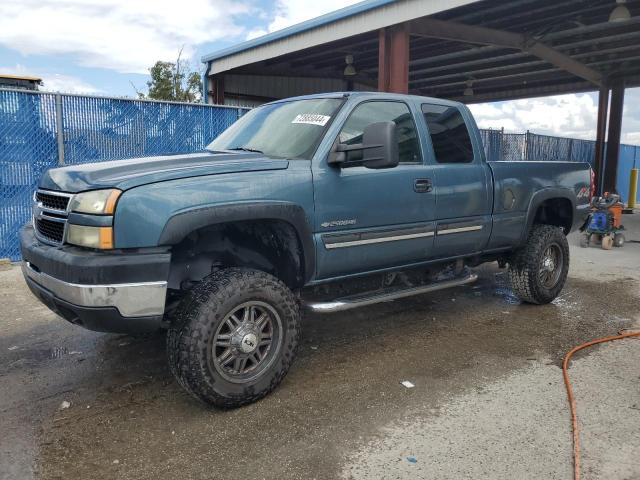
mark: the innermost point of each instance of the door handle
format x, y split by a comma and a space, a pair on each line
422, 185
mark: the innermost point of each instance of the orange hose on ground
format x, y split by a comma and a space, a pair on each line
572, 400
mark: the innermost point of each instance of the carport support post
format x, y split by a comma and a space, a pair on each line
613, 139
393, 59
217, 94
601, 135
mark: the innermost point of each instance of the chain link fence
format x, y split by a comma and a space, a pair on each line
500, 147
44, 130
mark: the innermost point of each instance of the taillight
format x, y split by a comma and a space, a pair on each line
592, 189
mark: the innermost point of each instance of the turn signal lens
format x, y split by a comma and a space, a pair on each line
99, 202
91, 237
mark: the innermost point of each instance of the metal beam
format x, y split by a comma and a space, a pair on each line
614, 44
601, 134
564, 62
457, 32
494, 70
217, 92
514, 92
487, 51
430, 27
613, 139
526, 74
393, 62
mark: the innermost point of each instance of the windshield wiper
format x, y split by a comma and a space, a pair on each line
246, 149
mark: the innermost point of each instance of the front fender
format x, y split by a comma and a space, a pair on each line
183, 223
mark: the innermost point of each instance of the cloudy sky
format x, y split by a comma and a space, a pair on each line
106, 47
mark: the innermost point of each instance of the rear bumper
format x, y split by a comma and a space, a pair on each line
116, 291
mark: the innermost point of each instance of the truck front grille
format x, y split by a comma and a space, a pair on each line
50, 215
50, 229
55, 202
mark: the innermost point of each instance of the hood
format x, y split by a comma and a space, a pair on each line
126, 174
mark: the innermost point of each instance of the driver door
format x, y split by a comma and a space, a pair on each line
369, 219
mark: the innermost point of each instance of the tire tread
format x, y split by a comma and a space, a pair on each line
186, 338
523, 266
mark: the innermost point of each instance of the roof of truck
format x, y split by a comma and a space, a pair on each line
372, 94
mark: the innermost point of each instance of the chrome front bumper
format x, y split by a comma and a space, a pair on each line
130, 299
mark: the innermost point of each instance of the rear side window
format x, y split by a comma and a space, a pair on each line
449, 134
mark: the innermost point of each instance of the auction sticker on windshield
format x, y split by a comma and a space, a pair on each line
311, 119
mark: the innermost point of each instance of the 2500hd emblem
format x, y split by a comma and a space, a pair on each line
338, 223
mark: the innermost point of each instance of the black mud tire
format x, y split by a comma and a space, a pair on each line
526, 263
199, 315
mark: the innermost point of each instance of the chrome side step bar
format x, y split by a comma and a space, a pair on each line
362, 300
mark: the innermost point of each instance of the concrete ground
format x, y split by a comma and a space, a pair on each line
488, 400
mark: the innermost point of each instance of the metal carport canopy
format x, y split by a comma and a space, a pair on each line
489, 49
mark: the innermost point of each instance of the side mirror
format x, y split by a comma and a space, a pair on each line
379, 148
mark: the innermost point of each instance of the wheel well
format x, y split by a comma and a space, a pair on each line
555, 211
272, 246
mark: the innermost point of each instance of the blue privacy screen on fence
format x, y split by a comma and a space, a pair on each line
44, 130
93, 129
499, 146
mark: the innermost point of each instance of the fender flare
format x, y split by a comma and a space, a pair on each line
541, 196
180, 225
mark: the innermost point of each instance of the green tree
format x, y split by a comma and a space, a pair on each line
174, 81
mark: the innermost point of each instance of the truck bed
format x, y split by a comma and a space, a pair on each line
518, 184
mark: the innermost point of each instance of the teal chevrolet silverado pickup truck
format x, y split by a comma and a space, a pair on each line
314, 203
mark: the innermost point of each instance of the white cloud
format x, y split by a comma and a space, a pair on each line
53, 82
67, 84
256, 32
573, 115
631, 117
290, 12
123, 35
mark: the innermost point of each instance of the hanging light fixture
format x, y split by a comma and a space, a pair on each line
468, 92
620, 13
349, 70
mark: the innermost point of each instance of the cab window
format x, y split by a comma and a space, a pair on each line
449, 134
373, 112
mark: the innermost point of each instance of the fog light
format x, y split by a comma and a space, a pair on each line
92, 237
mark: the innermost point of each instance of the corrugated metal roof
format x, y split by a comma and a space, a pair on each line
299, 28
360, 18
447, 64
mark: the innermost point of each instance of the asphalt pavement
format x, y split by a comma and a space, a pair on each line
488, 399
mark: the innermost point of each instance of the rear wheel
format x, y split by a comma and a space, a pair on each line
538, 271
618, 240
234, 337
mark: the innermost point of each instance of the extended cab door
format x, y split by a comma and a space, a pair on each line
462, 181
369, 219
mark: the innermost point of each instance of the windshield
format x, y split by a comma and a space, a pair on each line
282, 130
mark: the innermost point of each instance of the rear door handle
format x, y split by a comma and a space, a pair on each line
422, 185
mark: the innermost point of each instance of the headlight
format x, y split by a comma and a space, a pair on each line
100, 202
92, 237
